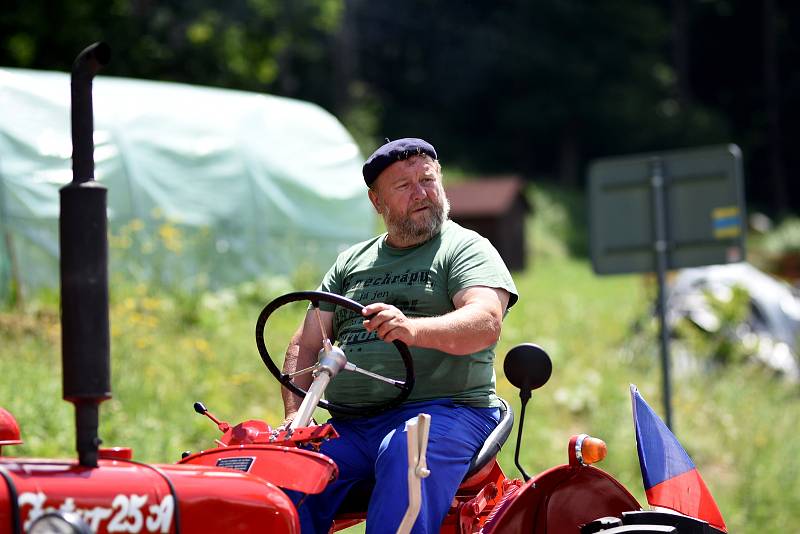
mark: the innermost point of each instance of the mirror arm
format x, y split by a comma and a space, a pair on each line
525, 396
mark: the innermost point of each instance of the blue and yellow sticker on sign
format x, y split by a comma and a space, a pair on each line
727, 222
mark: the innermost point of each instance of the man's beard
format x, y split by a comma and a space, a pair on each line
405, 229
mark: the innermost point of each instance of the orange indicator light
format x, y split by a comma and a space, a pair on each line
586, 450
593, 450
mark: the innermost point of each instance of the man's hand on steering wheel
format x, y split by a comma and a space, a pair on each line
390, 323
332, 359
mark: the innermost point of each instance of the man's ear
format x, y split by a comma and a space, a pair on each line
376, 201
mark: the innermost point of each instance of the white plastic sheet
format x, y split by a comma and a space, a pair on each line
202, 182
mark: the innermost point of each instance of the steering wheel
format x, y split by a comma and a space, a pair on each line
315, 297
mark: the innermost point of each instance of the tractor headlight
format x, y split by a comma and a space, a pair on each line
59, 523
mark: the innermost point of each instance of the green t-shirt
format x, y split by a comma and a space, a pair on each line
421, 281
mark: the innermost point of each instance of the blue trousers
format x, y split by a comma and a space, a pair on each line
375, 448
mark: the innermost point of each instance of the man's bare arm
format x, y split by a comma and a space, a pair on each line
474, 325
302, 353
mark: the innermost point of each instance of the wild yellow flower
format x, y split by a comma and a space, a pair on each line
151, 303
122, 241
171, 236
239, 378
201, 345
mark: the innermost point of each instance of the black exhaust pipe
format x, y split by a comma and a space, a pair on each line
85, 339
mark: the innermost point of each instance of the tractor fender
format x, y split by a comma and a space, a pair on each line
560, 500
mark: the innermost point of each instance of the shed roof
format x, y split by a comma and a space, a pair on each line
485, 196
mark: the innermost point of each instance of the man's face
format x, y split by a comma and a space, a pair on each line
410, 198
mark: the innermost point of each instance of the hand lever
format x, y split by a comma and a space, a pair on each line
417, 441
200, 408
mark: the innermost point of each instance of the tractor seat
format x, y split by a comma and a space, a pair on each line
494, 442
358, 496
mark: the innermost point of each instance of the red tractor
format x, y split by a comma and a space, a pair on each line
239, 484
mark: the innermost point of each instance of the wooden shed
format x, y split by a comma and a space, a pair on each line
495, 207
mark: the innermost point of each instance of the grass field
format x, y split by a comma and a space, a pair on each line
738, 423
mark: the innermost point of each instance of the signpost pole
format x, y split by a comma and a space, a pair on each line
660, 245
656, 212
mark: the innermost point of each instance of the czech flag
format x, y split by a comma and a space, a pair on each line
669, 475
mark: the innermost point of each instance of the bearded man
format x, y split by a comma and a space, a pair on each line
444, 291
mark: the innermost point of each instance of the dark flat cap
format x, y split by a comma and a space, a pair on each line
393, 151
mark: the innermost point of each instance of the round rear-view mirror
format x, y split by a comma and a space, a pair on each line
527, 366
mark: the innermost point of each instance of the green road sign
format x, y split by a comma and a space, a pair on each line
700, 192
667, 210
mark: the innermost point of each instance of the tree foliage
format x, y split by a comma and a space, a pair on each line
538, 88
527, 85
259, 45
